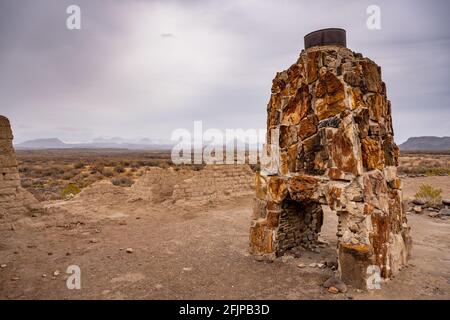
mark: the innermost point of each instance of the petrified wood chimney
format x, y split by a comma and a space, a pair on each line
330, 142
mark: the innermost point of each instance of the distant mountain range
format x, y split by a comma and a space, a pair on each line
98, 143
412, 144
426, 144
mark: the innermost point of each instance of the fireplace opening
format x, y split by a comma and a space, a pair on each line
308, 227
300, 225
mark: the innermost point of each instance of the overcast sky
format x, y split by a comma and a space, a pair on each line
146, 68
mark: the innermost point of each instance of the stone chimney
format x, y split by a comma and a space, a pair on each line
330, 143
14, 200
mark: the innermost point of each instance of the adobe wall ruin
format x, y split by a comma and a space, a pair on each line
188, 187
330, 142
14, 200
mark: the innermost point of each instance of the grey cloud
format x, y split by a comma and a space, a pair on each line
120, 76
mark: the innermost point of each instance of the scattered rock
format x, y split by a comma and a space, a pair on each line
313, 265
433, 214
444, 212
56, 273
44, 275
336, 283
93, 241
286, 258
301, 265
187, 269
2, 266
446, 202
417, 209
418, 202
15, 278
333, 290
129, 250
321, 265
332, 264
122, 222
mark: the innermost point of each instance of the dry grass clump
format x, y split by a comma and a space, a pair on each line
430, 195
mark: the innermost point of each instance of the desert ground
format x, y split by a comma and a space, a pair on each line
129, 247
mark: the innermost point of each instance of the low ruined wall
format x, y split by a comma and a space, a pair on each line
189, 187
213, 183
157, 184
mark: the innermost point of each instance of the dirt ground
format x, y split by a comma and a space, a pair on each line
191, 254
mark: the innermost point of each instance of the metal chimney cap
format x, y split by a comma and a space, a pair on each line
324, 37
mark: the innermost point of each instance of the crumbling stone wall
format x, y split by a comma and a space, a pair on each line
330, 142
214, 182
157, 184
14, 200
187, 187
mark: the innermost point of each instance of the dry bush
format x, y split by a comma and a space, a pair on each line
430, 195
122, 181
108, 172
119, 169
97, 168
68, 175
129, 174
70, 189
79, 165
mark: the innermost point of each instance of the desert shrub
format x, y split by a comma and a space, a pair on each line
437, 171
71, 188
122, 181
129, 174
135, 164
119, 169
108, 172
431, 196
79, 165
69, 175
24, 169
141, 163
97, 168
